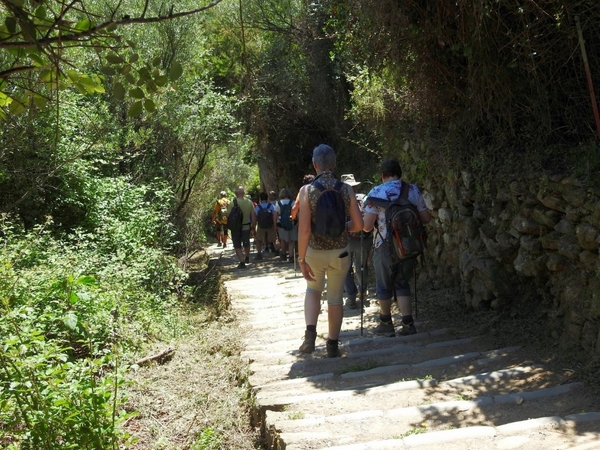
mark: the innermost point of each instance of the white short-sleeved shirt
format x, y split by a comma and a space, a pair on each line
390, 190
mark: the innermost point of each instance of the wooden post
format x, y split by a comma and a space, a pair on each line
588, 75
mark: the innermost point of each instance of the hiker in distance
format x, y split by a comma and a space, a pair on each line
219, 219
391, 274
241, 220
265, 224
359, 247
285, 227
323, 246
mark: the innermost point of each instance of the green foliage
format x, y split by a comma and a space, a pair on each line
209, 439
72, 308
481, 73
45, 48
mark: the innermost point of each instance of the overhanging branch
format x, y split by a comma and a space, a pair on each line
72, 37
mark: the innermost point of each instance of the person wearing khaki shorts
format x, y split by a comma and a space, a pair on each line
324, 259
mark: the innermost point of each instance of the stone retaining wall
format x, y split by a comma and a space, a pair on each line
534, 239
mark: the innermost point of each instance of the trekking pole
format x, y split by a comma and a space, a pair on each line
362, 284
415, 293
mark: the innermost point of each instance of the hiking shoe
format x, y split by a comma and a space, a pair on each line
258, 257
219, 244
351, 302
308, 346
407, 329
385, 329
276, 252
333, 350
247, 259
241, 265
283, 256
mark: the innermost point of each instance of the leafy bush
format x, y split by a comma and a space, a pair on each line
72, 308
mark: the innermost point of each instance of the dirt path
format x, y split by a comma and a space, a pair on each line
462, 387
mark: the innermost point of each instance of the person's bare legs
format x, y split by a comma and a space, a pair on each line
335, 315
312, 307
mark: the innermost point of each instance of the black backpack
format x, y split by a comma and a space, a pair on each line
330, 212
285, 215
265, 217
235, 217
406, 236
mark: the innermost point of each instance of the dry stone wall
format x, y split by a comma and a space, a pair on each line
507, 241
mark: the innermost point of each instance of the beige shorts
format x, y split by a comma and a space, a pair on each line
327, 264
265, 236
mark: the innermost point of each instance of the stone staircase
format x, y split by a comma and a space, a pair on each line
436, 388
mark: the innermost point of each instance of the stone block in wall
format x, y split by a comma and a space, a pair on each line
556, 263
568, 247
575, 214
565, 226
530, 244
492, 247
550, 241
547, 217
574, 294
471, 228
525, 225
589, 260
594, 297
554, 202
478, 214
445, 216
596, 215
503, 194
530, 265
574, 196
433, 200
451, 192
587, 236
466, 211
467, 179
589, 335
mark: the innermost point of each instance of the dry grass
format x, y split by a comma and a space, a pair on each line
199, 399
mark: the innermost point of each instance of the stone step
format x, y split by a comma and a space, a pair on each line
439, 388
362, 424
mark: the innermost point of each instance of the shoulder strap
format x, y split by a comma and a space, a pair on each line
235, 201
404, 190
318, 185
377, 202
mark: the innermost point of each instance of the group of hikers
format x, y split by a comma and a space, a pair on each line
335, 230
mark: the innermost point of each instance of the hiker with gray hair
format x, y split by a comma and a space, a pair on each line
323, 255
359, 246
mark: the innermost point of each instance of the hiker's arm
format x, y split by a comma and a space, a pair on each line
356, 219
369, 221
296, 207
303, 224
214, 213
253, 220
425, 216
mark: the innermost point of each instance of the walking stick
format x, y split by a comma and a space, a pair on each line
362, 283
415, 292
